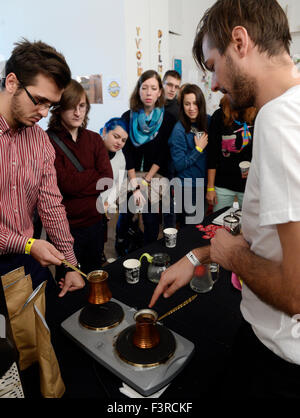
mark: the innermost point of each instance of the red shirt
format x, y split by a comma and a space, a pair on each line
27, 180
79, 188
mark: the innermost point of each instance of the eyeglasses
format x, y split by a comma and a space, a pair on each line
171, 85
39, 103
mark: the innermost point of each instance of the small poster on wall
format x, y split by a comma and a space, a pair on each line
92, 84
112, 88
178, 65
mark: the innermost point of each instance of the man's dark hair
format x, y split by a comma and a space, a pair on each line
29, 59
172, 73
264, 20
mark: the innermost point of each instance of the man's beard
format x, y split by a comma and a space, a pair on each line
17, 112
243, 88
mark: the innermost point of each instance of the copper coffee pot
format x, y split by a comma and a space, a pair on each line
146, 334
99, 291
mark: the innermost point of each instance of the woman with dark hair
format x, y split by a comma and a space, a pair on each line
78, 186
146, 151
187, 146
230, 142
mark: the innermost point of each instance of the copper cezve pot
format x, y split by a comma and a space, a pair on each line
146, 334
99, 291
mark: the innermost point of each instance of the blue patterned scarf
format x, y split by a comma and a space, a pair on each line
144, 128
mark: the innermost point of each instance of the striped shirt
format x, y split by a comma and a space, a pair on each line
27, 180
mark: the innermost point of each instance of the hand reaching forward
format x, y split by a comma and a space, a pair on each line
72, 281
172, 279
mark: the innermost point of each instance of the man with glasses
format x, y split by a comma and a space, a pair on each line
171, 83
35, 77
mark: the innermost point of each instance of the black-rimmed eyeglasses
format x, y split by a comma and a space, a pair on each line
41, 104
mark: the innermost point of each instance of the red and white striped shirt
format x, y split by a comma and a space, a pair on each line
27, 180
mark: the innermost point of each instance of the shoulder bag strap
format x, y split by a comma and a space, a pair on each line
65, 149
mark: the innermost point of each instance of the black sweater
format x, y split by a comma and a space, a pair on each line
224, 144
153, 152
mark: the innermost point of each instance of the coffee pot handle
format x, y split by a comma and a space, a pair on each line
148, 256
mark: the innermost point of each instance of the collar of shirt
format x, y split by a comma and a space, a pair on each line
66, 134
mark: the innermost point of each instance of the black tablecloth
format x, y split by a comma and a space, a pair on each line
210, 322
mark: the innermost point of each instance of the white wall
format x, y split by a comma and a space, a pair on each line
89, 33
190, 12
99, 37
143, 20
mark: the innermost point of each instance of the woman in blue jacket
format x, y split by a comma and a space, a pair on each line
187, 144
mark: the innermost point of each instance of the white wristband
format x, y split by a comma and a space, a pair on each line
193, 259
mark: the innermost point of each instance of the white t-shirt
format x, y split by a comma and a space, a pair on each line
272, 197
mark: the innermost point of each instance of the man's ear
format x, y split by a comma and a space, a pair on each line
240, 40
11, 83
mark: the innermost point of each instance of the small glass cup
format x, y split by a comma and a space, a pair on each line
205, 277
232, 224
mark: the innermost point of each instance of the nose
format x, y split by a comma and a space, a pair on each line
43, 112
76, 110
214, 83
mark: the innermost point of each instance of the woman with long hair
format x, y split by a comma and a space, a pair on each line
188, 143
146, 151
230, 142
78, 186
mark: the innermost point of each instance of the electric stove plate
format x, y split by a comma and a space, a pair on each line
100, 345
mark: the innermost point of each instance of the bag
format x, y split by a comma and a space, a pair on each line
26, 309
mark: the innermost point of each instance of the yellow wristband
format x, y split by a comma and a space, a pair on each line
28, 245
145, 183
199, 149
210, 189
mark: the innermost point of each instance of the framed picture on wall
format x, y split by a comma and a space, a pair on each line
177, 65
92, 84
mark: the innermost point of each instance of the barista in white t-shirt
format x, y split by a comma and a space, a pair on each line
250, 61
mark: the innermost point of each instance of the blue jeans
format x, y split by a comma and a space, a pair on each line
226, 198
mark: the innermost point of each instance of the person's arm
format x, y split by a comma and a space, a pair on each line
179, 274
181, 156
151, 173
211, 194
276, 283
138, 196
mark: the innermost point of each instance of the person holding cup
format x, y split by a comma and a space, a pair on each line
230, 144
188, 143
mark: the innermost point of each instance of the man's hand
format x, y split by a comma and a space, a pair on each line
72, 281
45, 253
222, 247
172, 279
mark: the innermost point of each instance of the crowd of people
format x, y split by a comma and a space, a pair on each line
71, 179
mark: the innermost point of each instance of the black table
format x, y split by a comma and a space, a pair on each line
211, 322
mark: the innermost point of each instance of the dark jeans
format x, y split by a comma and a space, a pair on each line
151, 226
37, 273
88, 247
256, 372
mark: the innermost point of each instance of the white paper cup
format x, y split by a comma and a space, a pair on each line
132, 270
244, 166
170, 235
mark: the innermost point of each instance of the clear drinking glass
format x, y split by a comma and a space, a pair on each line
204, 277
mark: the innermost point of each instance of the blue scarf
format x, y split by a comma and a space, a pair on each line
144, 128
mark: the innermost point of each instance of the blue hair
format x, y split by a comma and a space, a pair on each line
113, 123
